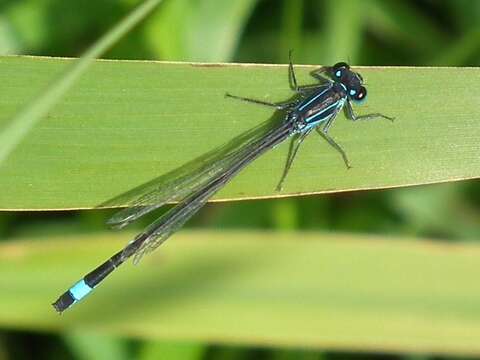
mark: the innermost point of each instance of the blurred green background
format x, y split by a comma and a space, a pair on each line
370, 32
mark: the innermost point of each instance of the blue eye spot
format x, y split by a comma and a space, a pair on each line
352, 92
338, 73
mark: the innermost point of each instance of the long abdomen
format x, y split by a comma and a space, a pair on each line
162, 228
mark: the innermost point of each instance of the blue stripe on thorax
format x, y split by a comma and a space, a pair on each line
303, 106
321, 115
318, 116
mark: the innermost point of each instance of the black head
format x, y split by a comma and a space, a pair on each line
351, 80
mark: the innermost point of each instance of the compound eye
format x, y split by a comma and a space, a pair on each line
358, 95
339, 68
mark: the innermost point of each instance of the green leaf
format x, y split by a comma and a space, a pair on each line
344, 25
152, 350
460, 50
191, 30
22, 26
291, 30
267, 289
128, 122
88, 346
398, 19
14, 131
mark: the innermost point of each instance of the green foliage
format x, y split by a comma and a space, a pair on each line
395, 295
139, 110
301, 290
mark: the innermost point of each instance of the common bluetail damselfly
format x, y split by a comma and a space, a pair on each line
314, 108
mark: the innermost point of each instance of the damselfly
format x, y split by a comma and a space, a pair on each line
315, 108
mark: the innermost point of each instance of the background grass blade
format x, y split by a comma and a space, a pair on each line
399, 21
290, 290
123, 124
17, 128
344, 22
189, 31
86, 346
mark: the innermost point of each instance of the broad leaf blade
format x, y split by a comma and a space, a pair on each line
265, 289
126, 123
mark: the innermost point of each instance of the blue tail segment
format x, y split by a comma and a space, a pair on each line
83, 287
80, 290
76, 293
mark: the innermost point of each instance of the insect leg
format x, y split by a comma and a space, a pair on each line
324, 133
319, 73
352, 116
292, 79
292, 152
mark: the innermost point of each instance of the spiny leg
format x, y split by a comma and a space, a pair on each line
319, 73
281, 106
352, 116
292, 152
324, 133
292, 79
